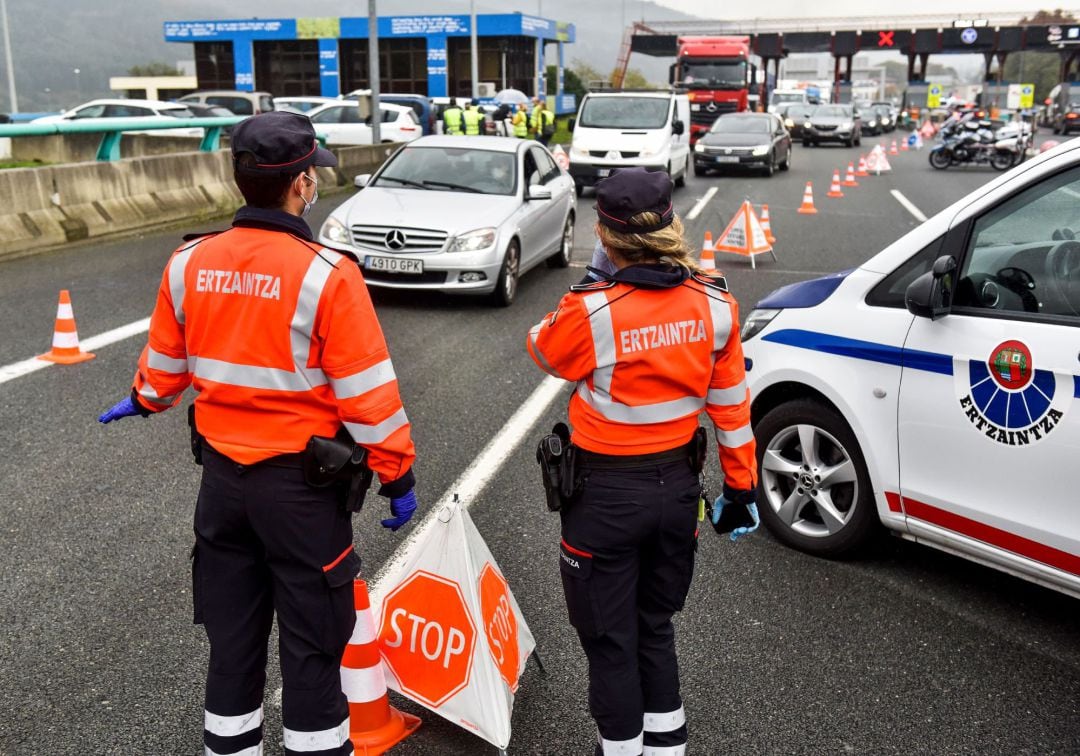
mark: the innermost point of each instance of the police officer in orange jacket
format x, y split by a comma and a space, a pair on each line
649, 346
278, 336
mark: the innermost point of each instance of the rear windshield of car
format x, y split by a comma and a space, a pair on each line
832, 111
178, 112
451, 169
741, 125
624, 112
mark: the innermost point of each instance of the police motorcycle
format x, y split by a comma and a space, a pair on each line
972, 141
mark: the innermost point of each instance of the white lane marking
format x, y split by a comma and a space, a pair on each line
472, 482
18, 369
908, 205
695, 211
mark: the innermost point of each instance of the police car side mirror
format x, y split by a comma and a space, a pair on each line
931, 294
362, 180
571, 124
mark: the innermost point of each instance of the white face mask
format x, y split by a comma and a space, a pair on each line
314, 198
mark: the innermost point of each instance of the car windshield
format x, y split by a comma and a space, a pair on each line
713, 74
832, 111
451, 169
741, 125
624, 112
799, 112
178, 112
780, 97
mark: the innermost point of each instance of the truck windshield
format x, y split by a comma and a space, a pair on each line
624, 112
714, 74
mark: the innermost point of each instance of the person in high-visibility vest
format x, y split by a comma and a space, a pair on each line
474, 119
278, 336
452, 119
651, 344
520, 122
542, 123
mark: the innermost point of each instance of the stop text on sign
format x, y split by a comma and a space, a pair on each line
427, 637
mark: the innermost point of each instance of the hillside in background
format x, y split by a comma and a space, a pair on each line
51, 38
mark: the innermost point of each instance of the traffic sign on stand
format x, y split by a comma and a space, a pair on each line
451, 635
933, 96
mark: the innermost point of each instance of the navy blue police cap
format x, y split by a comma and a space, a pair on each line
281, 142
629, 191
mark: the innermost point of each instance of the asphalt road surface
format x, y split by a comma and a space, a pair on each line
907, 651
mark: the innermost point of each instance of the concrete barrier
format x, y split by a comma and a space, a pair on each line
53, 205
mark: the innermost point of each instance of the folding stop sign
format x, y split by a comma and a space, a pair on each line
427, 637
451, 635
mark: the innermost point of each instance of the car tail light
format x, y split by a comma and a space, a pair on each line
1072, 115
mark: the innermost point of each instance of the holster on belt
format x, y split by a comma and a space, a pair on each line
699, 447
555, 456
196, 437
338, 461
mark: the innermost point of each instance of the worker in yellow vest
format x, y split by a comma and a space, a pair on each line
542, 123
452, 119
520, 122
473, 118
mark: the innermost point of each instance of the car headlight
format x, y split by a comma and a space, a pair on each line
807, 125
335, 231
699, 147
577, 152
788, 123
761, 149
871, 123
474, 241
846, 125
647, 152
756, 322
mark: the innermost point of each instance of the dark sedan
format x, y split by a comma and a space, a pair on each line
833, 123
1068, 120
744, 140
794, 115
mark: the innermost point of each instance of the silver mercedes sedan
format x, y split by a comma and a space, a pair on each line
462, 215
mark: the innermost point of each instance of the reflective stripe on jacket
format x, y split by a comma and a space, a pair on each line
279, 337
473, 119
452, 119
647, 361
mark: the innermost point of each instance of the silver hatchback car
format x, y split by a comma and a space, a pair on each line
462, 215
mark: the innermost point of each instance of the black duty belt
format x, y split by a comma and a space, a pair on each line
596, 461
292, 460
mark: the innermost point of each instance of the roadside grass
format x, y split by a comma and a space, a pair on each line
22, 164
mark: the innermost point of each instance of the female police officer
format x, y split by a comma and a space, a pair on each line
649, 347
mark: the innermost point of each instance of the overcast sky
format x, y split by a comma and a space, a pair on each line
837, 8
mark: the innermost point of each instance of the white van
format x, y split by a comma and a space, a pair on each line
626, 129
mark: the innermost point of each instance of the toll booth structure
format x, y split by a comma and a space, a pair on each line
994, 41
427, 55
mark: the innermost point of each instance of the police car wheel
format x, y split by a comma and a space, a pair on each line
814, 491
561, 259
506, 286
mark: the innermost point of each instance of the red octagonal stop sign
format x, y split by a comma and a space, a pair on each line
426, 637
500, 625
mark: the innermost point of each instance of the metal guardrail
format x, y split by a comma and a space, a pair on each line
112, 129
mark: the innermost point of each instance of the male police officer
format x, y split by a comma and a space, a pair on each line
279, 337
452, 119
474, 119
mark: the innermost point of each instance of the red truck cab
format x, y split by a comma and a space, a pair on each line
717, 74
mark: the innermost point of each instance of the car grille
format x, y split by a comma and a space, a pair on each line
604, 154
728, 150
432, 277
825, 127
706, 117
415, 239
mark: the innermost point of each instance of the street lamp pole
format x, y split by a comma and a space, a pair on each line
475, 67
78, 85
373, 71
7, 55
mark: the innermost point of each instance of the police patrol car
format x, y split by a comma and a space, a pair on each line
936, 388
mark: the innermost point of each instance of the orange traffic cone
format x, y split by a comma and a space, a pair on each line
708, 258
65, 341
834, 188
849, 180
903, 145
892, 149
766, 225
807, 206
374, 725
862, 167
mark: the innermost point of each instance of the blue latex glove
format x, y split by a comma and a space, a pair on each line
124, 408
718, 507
402, 508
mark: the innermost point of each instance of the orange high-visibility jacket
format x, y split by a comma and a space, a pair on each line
279, 337
647, 361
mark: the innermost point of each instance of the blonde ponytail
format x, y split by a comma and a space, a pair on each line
666, 245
